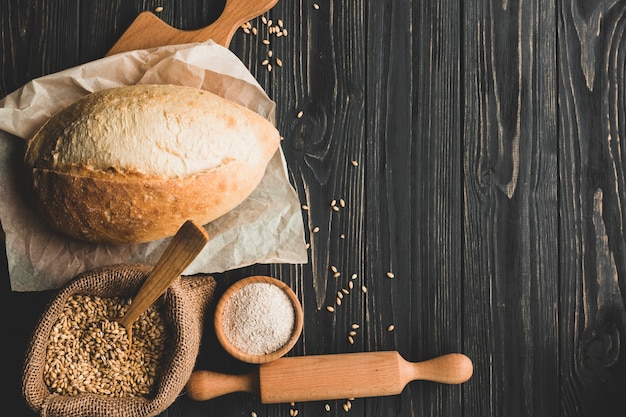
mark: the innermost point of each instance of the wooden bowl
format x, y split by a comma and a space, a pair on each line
238, 352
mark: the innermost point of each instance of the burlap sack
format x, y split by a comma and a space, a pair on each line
186, 302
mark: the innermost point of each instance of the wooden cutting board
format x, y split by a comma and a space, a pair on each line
148, 31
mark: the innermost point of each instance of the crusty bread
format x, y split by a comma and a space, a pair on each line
131, 164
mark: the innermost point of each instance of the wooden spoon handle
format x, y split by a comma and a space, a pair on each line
181, 251
148, 31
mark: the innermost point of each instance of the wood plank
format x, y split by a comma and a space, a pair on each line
391, 167
593, 277
510, 225
414, 187
33, 43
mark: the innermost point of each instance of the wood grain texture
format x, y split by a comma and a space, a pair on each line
511, 239
591, 82
489, 179
413, 188
32, 38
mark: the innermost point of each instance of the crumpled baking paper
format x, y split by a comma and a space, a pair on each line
266, 228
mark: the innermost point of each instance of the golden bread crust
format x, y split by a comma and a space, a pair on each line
97, 176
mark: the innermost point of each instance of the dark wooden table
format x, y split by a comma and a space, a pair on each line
478, 148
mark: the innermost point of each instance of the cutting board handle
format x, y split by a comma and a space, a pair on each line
148, 31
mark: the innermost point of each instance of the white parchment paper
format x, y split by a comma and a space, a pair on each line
266, 228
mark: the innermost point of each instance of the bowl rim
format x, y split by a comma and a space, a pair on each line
249, 357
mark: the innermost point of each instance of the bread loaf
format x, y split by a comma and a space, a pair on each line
132, 164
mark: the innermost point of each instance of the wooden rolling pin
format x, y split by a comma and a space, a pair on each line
329, 377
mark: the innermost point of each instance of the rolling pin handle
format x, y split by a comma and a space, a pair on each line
453, 368
205, 385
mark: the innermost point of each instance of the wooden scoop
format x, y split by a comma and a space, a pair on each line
330, 377
181, 251
148, 31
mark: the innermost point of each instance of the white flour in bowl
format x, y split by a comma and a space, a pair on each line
259, 318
